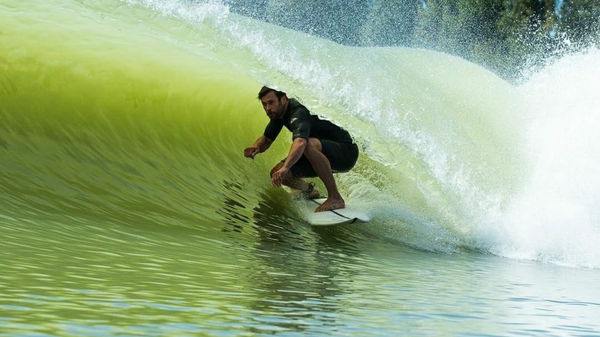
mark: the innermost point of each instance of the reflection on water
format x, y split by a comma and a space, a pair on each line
261, 271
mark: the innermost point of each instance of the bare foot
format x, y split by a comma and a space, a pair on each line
331, 204
311, 192
314, 194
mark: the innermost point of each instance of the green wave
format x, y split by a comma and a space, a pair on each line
99, 117
132, 114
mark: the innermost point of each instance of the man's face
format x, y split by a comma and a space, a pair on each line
274, 106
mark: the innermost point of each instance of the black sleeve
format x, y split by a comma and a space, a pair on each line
300, 123
273, 128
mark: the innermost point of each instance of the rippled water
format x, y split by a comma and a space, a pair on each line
285, 279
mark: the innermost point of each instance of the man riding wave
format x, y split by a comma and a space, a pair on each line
319, 148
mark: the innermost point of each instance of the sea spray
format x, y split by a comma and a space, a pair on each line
555, 217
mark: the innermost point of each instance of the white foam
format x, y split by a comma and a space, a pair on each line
556, 216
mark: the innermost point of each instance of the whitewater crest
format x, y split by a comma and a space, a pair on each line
554, 216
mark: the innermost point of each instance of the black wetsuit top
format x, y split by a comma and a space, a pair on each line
302, 124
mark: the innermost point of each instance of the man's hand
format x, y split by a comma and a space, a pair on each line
251, 151
278, 176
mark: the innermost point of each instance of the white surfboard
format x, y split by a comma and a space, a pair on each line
346, 215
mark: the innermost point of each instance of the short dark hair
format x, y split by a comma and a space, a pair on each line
265, 90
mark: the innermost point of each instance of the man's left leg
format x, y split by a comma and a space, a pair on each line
296, 183
322, 167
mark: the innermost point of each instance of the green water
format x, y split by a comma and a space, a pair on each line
75, 279
127, 208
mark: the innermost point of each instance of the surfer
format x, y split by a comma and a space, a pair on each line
319, 148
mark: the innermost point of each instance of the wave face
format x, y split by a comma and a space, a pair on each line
136, 113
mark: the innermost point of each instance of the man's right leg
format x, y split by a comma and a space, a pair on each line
322, 167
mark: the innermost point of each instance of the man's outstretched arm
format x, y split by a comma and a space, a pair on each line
260, 145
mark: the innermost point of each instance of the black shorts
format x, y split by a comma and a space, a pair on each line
342, 157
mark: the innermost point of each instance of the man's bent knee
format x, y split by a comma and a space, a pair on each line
314, 144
